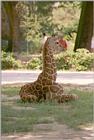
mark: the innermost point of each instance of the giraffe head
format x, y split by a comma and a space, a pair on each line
54, 43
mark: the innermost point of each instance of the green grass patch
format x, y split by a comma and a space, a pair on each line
10, 91
21, 117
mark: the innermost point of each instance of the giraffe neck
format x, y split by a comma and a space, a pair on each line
49, 65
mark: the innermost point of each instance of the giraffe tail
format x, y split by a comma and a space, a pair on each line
67, 97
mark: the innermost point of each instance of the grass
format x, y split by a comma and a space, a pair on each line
10, 91
21, 117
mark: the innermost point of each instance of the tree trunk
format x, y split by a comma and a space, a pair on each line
14, 30
85, 28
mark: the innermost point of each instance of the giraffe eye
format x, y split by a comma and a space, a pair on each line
57, 42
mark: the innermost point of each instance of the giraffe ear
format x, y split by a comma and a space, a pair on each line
48, 39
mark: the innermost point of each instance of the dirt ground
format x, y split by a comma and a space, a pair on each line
57, 132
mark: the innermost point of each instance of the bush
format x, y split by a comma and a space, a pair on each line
81, 60
34, 63
9, 62
64, 60
84, 60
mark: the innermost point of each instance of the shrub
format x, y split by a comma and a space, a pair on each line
64, 60
81, 60
84, 60
34, 63
9, 62
61, 62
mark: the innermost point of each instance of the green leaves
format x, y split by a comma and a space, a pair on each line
9, 62
81, 60
34, 63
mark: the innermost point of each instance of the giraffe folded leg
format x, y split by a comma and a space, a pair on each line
66, 97
57, 93
28, 98
26, 93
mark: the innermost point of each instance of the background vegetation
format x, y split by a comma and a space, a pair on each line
31, 19
23, 24
81, 60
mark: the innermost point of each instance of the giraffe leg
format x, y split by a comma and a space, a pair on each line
66, 97
59, 95
27, 93
32, 92
28, 98
35, 93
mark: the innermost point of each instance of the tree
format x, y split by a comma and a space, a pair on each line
37, 18
27, 20
85, 28
13, 23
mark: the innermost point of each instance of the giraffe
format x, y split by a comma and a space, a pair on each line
45, 87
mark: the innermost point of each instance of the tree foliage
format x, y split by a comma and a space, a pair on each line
29, 19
